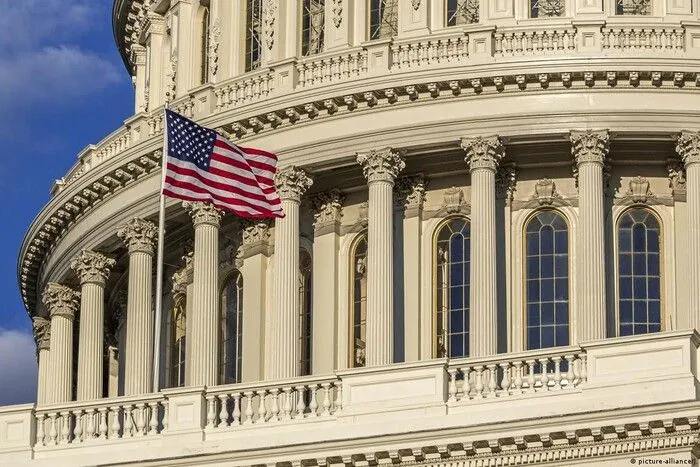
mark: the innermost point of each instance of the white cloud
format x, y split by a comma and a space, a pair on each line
18, 368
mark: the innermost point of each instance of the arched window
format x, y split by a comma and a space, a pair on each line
253, 34
547, 275
547, 8
383, 19
633, 7
639, 272
178, 334
452, 288
358, 281
312, 25
305, 320
231, 329
462, 12
204, 44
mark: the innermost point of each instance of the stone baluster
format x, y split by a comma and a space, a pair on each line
62, 303
688, 148
590, 149
139, 236
92, 268
483, 156
283, 340
381, 169
42, 336
328, 211
203, 338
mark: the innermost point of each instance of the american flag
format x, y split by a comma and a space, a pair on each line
204, 166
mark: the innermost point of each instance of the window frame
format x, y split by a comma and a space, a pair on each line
368, 13
359, 237
616, 273
220, 338
303, 337
300, 38
524, 277
248, 41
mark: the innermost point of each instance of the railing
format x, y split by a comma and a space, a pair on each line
243, 90
450, 49
98, 420
647, 38
329, 69
302, 398
529, 372
555, 40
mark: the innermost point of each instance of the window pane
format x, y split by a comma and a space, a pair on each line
633, 7
462, 12
254, 15
359, 285
230, 330
383, 19
313, 19
546, 8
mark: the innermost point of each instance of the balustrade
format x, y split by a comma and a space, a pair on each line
429, 52
328, 69
656, 38
535, 42
243, 90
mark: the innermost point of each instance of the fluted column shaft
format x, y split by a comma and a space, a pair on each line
93, 270
483, 157
42, 335
589, 149
203, 338
62, 303
283, 342
139, 236
380, 168
689, 149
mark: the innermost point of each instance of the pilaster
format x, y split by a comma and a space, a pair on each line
203, 337
328, 208
185, 14
139, 236
138, 59
414, 19
42, 337
62, 303
281, 342
380, 168
155, 62
688, 147
483, 157
590, 149
93, 269
338, 32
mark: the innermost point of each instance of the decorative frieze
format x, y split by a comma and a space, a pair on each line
92, 267
42, 332
292, 183
139, 235
60, 300
203, 213
590, 146
483, 152
381, 165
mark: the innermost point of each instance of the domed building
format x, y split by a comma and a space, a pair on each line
490, 255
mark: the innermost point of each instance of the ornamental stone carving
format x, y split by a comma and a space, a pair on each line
42, 332
257, 237
483, 152
415, 4
409, 193
92, 267
292, 183
138, 235
60, 300
337, 13
453, 200
545, 192
590, 146
506, 180
328, 209
676, 179
171, 82
688, 147
639, 190
203, 213
213, 51
184, 276
269, 15
382, 165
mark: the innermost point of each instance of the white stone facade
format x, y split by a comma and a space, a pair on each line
491, 254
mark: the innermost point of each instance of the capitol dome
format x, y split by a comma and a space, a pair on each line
490, 255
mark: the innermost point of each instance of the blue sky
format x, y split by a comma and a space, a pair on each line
62, 87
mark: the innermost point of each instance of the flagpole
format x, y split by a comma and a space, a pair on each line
159, 266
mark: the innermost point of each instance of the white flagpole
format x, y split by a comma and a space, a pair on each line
159, 267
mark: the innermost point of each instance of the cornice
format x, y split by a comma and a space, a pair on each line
86, 192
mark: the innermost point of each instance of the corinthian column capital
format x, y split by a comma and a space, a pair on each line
92, 267
328, 207
203, 213
382, 165
688, 147
139, 235
61, 300
42, 332
590, 146
483, 152
292, 183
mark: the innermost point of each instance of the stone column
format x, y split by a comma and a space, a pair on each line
328, 211
62, 303
688, 148
93, 269
380, 168
590, 149
410, 192
155, 81
186, 34
139, 236
483, 156
42, 336
138, 59
203, 338
283, 338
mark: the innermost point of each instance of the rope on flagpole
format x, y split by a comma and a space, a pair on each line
159, 267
